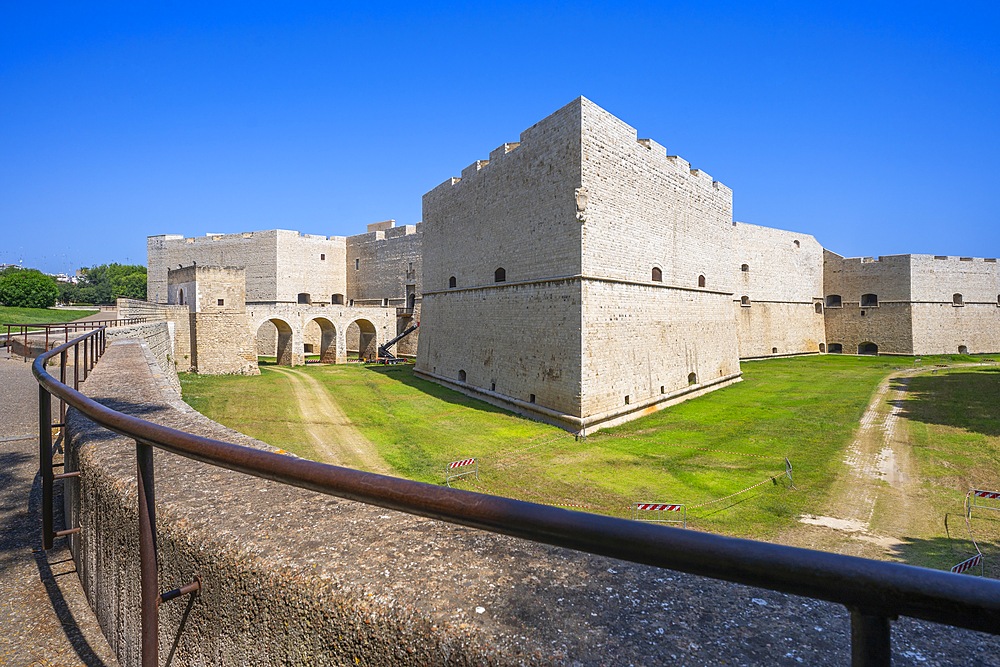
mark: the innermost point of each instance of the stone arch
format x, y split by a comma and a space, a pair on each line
963, 349
868, 348
273, 338
328, 340
362, 339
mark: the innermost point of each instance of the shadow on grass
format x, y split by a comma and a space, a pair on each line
966, 400
943, 553
404, 375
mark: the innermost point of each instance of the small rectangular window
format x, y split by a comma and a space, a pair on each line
222, 302
322, 256
357, 264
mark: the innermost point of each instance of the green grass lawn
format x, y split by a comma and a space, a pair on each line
40, 315
699, 453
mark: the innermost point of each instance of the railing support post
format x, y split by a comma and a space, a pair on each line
870, 645
149, 586
45, 463
62, 378
76, 366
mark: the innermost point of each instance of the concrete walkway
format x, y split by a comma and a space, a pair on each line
44, 615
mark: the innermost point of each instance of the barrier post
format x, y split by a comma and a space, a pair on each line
639, 508
450, 473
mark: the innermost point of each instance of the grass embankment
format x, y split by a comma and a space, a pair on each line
695, 453
40, 315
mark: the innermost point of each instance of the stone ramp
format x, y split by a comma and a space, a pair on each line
44, 615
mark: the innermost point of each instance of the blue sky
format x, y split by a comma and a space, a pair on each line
873, 126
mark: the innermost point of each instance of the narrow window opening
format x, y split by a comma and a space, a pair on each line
461, 376
863, 313
692, 378
500, 275
663, 389
531, 398
222, 302
657, 275
745, 301
626, 399
957, 300
357, 263
385, 302
819, 308
452, 282
774, 350
180, 297
701, 281
493, 386
322, 257
869, 300
745, 268
822, 347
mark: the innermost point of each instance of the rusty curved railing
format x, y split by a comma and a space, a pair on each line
873, 591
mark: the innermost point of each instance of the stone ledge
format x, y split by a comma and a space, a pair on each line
293, 577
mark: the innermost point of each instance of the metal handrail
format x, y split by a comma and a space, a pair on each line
29, 329
874, 592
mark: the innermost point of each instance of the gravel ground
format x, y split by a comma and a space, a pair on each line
44, 616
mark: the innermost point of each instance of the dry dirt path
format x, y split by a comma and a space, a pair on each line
875, 504
330, 430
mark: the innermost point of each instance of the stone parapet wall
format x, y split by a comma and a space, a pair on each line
159, 342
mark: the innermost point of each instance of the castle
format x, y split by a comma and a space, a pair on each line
581, 276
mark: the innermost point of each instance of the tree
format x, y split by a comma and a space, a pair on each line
27, 288
106, 282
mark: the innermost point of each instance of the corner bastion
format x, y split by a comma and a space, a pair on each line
294, 577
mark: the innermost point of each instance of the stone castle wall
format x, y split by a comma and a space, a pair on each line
517, 339
780, 315
385, 267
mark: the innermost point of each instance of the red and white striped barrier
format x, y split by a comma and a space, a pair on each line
968, 564
450, 471
981, 499
639, 509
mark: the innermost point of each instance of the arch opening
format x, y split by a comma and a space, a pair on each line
834, 301
692, 378
452, 282
304, 297
274, 340
361, 340
869, 300
819, 308
701, 281
822, 347
657, 275
321, 334
745, 301
963, 349
500, 275
957, 300
836, 348
462, 376
337, 299
868, 348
